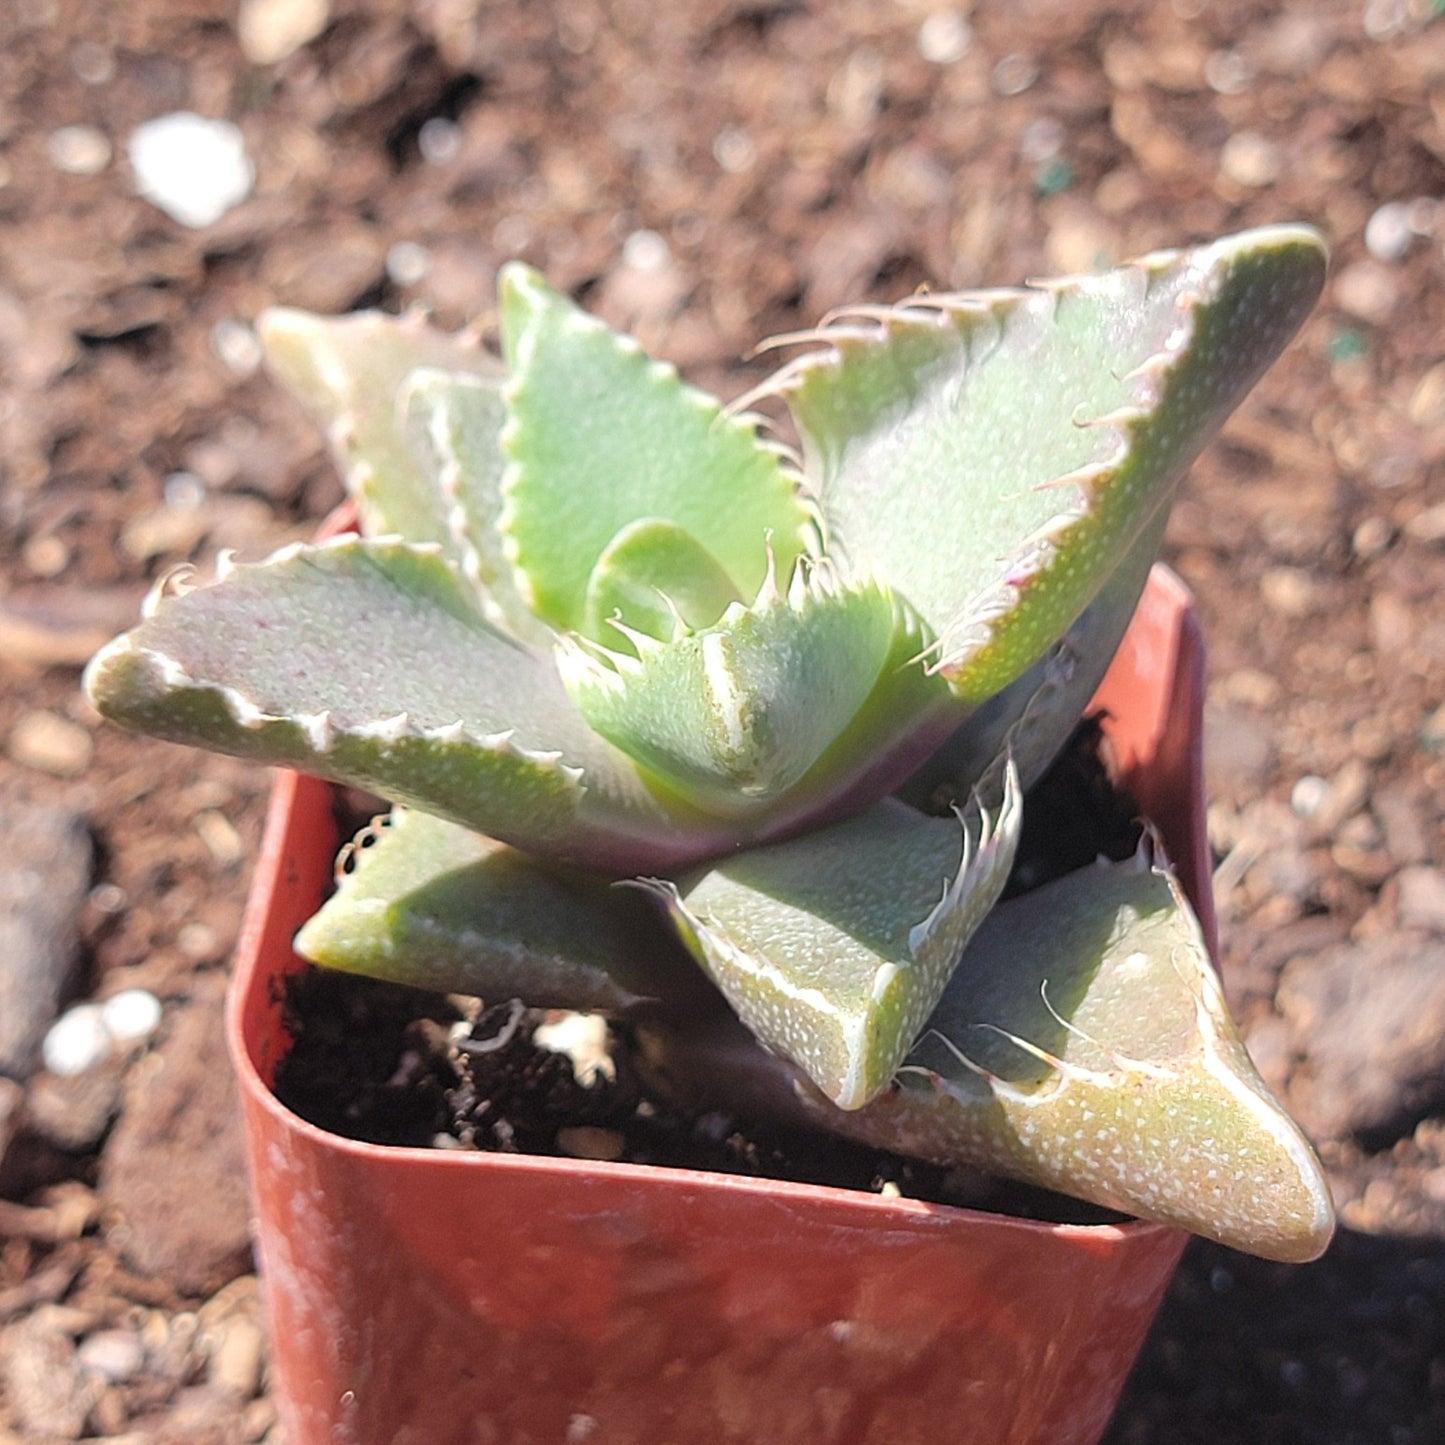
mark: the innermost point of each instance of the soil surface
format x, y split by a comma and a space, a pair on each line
706, 173
389, 1064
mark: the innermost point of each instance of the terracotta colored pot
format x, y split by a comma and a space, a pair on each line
426, 1297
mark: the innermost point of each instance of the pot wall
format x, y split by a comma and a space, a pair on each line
424, 1297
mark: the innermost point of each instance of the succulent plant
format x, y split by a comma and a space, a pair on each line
600, 628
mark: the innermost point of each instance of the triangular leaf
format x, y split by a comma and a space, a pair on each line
437, 906
834, 948
1082, 1044
600, 436
1033, 717
348, 371
369, 662
453, 425
995, 455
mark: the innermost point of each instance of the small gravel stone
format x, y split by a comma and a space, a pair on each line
945, 37
1228, 72
73, 1111
734, 151
237, 346
132, 1015
1422, 897
1290, 591
1403, 821
78, 1040
439, 140
1427, 400
92, 63
219, 835
1388, 233
1369, 290
237, 1357
78, 150
44, 879
407, 263
586, 1142
1428, 526
114, 1355
192, 168
1309, 795
270, 30
183, 491
646, 251
45, 556
45, 1392
45, 742
1249, 159
1369, 1019
1371, 538
1014, 74
583, 1037
180, 1123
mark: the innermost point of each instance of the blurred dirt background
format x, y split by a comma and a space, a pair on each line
706, 172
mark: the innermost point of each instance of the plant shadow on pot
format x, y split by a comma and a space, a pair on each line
435, 1296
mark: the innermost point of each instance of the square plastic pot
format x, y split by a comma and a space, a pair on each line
427, 1297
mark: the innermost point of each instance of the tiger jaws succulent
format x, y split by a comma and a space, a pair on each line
600, 628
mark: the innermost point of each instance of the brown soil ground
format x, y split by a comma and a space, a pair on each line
708, 172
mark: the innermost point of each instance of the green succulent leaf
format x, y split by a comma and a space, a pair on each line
995, 455
348, 372
833, 948
452, 422
370, 662
1034, 716
735, 715
436, 906
600, 436
1084, 1044
656, 578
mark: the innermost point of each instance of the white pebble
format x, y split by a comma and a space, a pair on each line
183, 491
78, 150
1249, 159
1388, 233
78, 1040
944, 37
131, 1015
114, 1355
407, 263
645, 251
193, 169
1227, 72
237, 346
439, 140
734, 151
1308, 796
583, 1038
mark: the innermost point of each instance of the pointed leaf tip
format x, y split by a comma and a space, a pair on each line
1083, 1044
834, 947
437, 906
1039, 430
601, 437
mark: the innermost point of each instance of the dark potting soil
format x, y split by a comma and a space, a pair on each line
394, 1065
